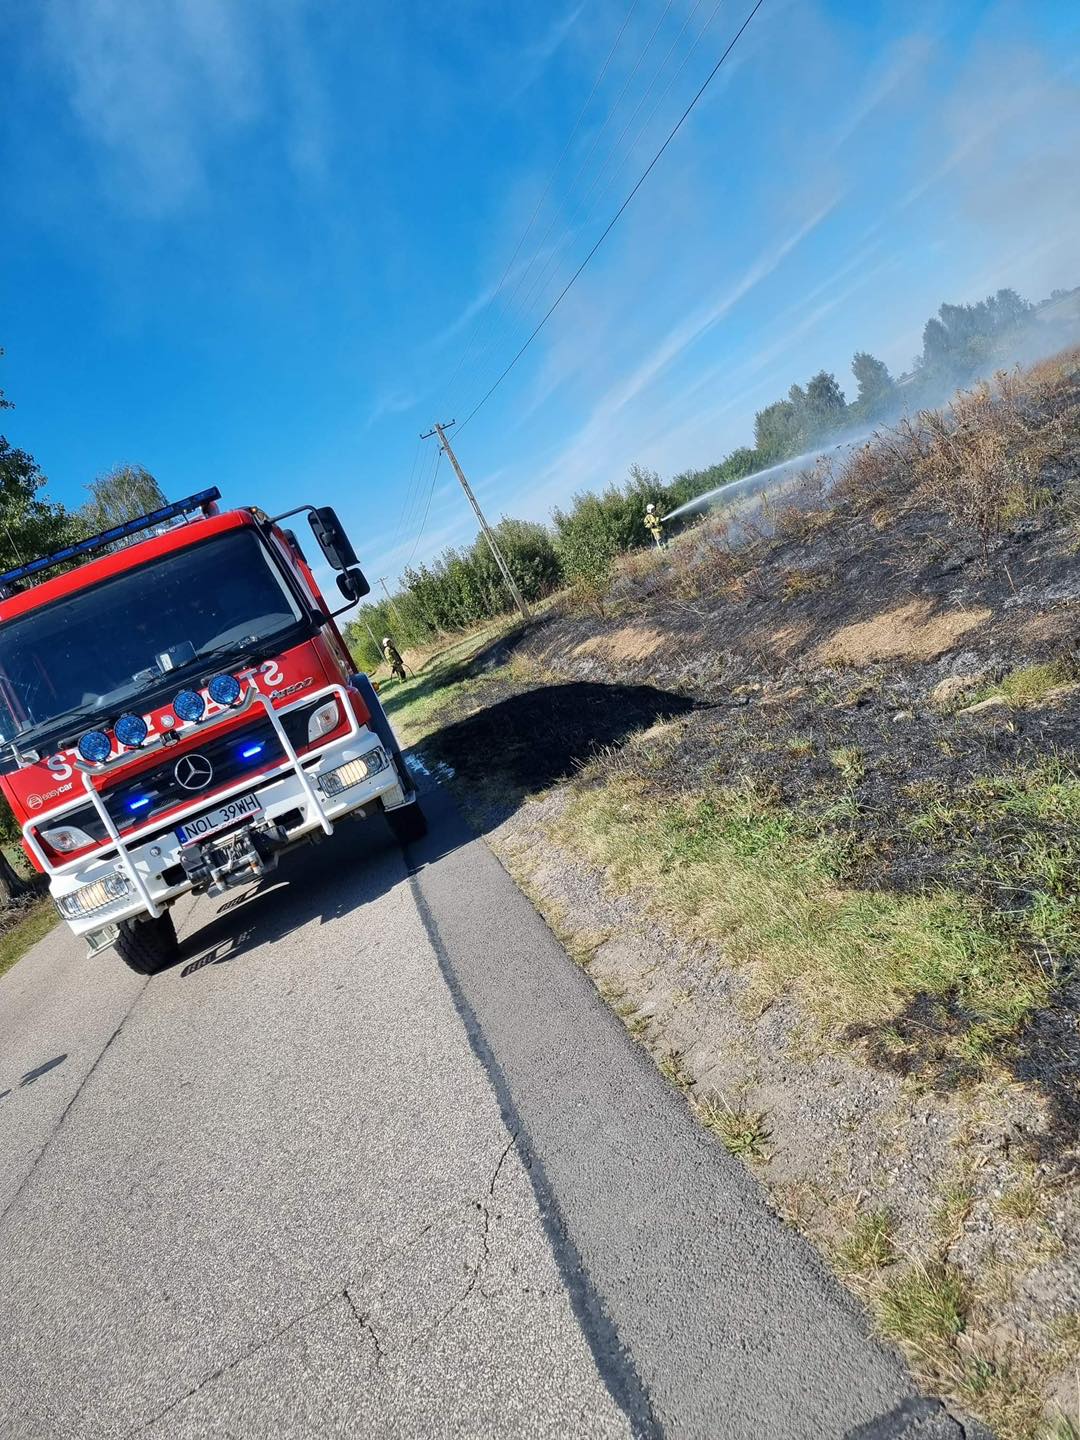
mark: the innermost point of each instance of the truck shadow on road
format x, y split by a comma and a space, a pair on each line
324, 881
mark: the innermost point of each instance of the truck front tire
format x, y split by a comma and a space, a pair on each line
146, 945
407, 824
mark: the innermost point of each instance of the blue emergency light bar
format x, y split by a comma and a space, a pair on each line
202, 501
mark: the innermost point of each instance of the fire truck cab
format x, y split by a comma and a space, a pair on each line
178, 708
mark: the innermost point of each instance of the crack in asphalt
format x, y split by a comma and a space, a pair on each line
364, 1321
362, 1318
366, 1324
253, 1350
485, 1237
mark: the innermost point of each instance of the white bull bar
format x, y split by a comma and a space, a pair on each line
315, 809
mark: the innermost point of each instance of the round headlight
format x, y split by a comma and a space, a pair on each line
130, 730
189, 705
95, 746
224, 689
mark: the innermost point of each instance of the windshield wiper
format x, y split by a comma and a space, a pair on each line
66, 726
238, 651
74, 720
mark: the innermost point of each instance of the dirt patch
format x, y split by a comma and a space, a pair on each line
788, 640
915, 631
629, 642
1054, 626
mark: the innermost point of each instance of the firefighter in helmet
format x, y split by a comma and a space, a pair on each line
654, 525
393, 659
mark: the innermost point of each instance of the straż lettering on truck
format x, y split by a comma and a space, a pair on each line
178, 709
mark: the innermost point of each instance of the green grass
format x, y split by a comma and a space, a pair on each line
1029, 684
732, 868
850, 762
34, 925
1019, 833
742, 1132
869, 1245
414, 704
925, 1306
1025, 1200
953, 1207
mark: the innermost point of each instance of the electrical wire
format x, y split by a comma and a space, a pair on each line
591, 152
485, 321
406, 505
427, 509
537, 288
615, 218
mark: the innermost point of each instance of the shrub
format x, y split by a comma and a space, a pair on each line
588, 559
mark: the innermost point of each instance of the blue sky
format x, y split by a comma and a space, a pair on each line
256, 242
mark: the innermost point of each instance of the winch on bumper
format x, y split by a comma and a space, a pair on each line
235, 859
141, 873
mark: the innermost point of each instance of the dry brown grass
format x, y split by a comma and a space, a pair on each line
985, 453
912, 631
984, 457
629, 642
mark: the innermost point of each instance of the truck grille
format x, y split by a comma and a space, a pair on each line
230, 755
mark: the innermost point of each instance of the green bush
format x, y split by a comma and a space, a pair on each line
460, 589
588, 557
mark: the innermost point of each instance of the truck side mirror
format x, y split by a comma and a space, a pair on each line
334, 543
353, 584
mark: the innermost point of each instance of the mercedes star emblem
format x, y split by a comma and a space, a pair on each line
193, 772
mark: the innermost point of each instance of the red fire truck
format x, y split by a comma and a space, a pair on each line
177, 708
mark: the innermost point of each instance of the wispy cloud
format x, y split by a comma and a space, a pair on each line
159, 88
910, 57
392, 402
684, 336
543, 49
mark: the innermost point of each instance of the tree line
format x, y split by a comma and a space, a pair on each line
31, 525
463, 588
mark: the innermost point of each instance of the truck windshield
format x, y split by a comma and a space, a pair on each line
99, 649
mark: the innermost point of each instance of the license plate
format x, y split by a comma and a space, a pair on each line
213, 820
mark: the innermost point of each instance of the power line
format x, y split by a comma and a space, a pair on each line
408, 493
537, 288
427, 510
615, 218
592, 150
485, 321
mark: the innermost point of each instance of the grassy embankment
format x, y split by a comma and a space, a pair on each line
874, 823
21, 936
23, 923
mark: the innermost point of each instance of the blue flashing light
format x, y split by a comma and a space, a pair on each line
224, 689
95, 746
131, 730
250, 751
189, 705
140, 803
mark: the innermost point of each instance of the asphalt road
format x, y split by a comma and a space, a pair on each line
375, 1160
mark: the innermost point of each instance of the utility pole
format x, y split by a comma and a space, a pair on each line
390, 599
511, 583
371, 632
